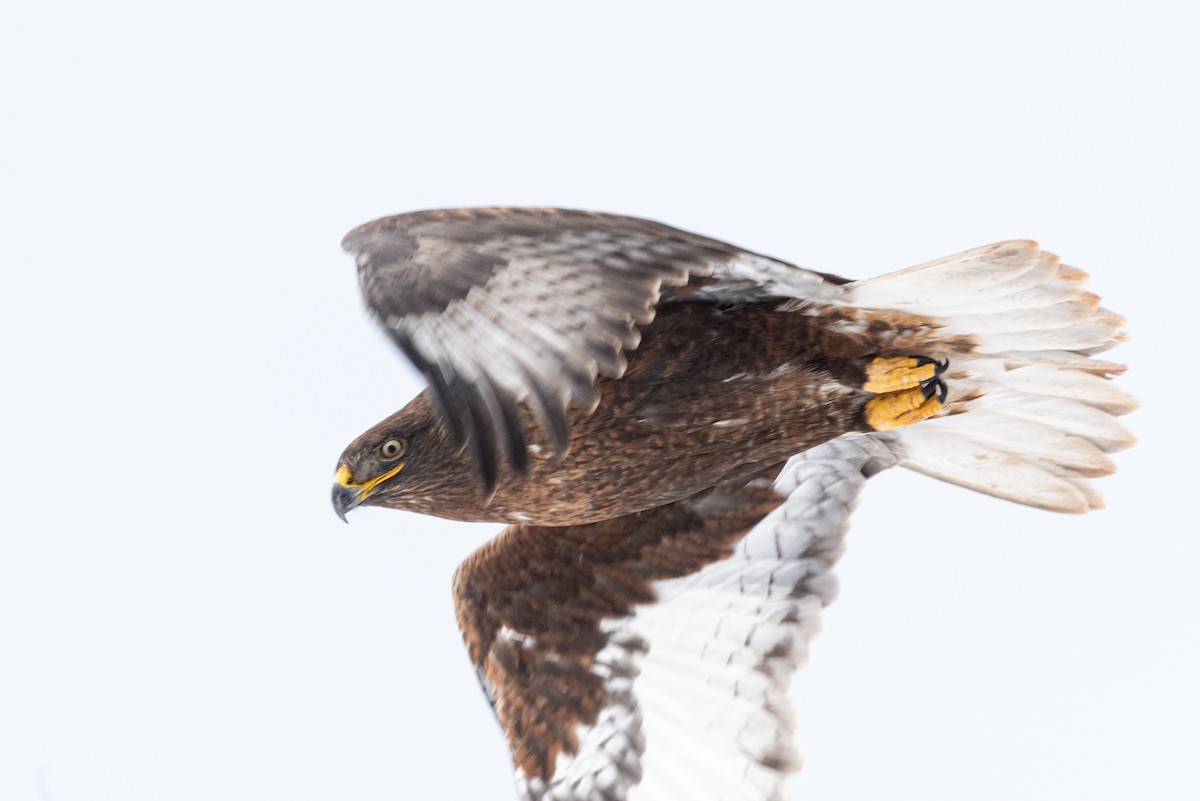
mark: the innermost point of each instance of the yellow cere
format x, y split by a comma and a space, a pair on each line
367, 487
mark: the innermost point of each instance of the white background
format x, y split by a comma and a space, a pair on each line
184, 356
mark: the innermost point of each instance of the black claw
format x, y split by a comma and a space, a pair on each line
939, 367
934, 386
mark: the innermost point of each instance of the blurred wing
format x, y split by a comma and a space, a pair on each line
502, 306
648, 658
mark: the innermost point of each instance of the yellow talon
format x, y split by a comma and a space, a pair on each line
908, 389
902, 408
898, 372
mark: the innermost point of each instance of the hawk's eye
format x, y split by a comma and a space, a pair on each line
391, 449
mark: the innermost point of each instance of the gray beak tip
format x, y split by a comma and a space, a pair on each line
344, 499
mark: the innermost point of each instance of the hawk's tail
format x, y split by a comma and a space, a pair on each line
1031, 413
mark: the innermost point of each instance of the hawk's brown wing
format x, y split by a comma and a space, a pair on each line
503, 306
655, 650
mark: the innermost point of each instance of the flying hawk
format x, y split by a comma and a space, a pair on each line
676, 430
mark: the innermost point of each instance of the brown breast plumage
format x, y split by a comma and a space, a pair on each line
709, 392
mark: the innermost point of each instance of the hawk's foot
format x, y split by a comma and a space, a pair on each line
909, 389
888, 374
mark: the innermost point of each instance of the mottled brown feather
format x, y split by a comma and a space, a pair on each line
502, 306
711, 392
530, 604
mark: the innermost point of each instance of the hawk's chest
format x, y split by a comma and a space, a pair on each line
707, 392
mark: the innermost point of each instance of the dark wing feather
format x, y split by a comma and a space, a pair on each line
531, 605
655, 650
499, 307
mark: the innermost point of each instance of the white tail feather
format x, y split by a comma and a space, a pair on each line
1031, 416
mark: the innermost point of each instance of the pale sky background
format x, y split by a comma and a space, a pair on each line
182, 617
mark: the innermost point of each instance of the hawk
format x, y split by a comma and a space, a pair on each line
675, 430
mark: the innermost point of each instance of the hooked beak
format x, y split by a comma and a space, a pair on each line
345, 499
347, 494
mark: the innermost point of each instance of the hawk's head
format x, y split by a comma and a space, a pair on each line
394, 461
